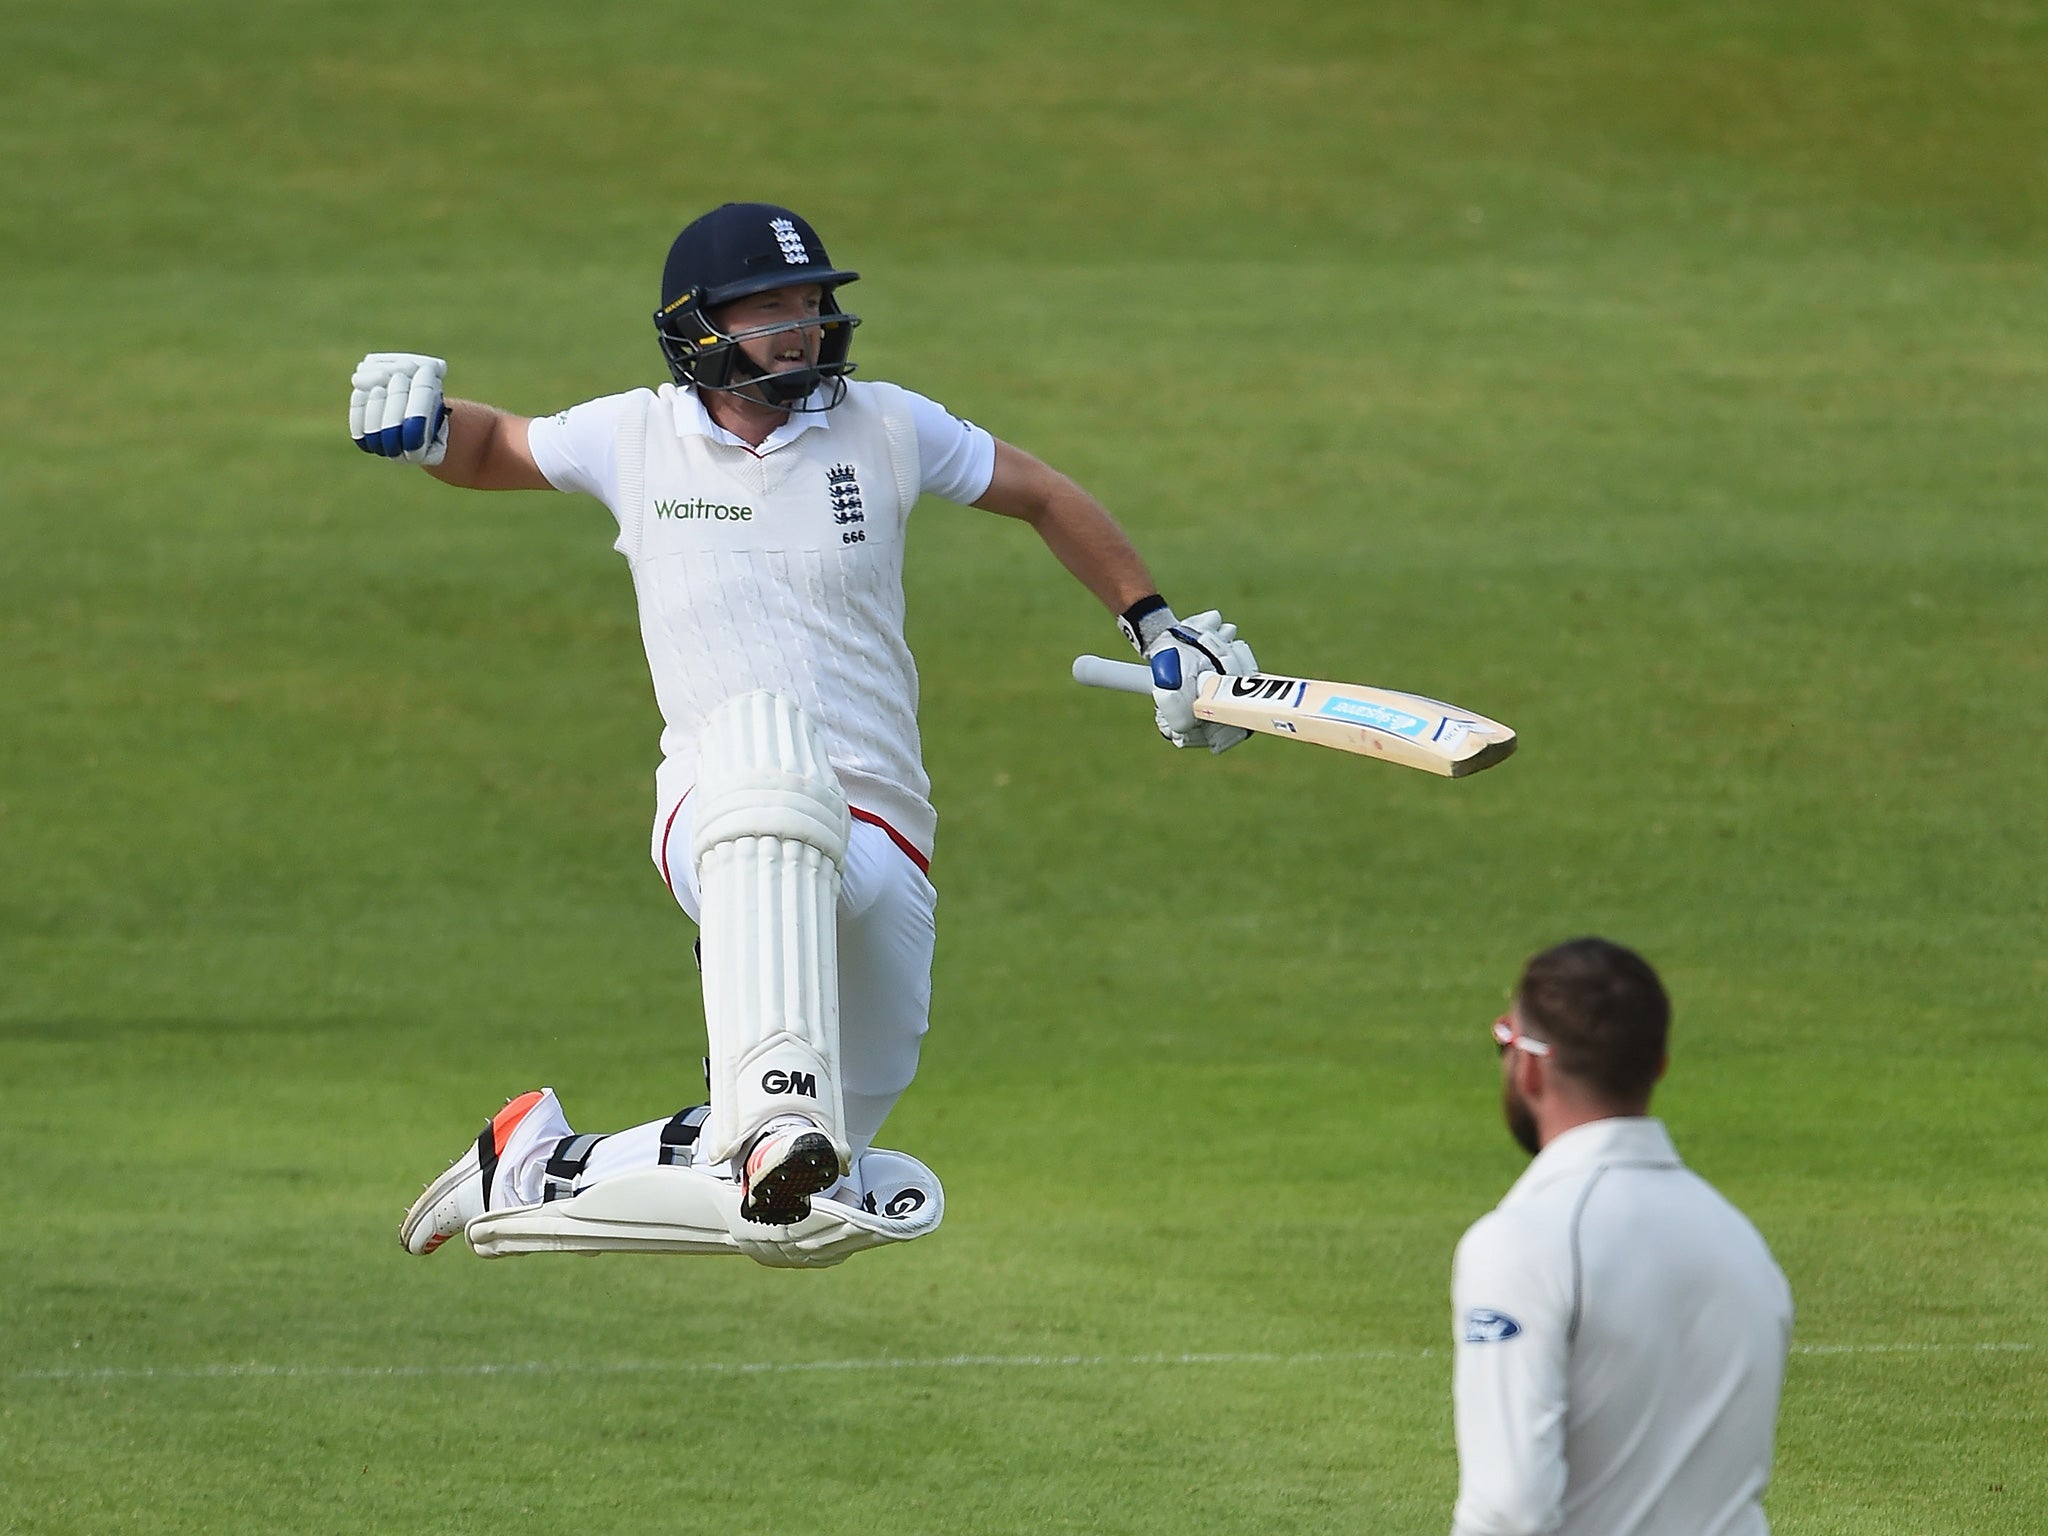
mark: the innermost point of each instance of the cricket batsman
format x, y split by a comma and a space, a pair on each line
762, 500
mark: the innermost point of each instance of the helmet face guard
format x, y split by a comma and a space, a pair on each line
731, 253
703, 356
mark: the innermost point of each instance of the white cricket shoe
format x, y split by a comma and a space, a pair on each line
790, 1161
474, 1182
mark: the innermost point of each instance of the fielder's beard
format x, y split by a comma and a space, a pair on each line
1520, 1118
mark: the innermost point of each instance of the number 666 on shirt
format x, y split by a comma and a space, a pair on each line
1403, 728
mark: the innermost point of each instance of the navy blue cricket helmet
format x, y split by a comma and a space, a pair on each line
731, 252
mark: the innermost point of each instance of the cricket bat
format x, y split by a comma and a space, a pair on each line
1403, 728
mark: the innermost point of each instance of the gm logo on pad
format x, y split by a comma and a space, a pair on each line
1485, 1326
775, 1080
1380, 718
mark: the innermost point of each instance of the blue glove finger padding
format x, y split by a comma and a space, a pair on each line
391, 441
423, 410
373, 419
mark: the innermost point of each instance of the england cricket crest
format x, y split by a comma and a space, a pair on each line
842, 484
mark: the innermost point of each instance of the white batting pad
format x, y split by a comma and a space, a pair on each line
894, 1198
770, 828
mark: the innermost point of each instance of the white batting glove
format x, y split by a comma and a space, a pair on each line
396, 408
1179, 656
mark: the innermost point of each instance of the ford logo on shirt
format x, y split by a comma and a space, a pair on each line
1483, 1326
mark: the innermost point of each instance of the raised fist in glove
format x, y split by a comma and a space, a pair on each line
396, 408
1179, 655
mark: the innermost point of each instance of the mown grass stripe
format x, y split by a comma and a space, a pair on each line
255, 1369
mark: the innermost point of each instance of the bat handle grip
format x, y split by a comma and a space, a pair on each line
1123, 676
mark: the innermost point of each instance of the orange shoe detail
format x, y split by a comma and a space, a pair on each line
505, 1119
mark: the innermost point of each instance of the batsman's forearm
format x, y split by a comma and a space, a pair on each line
486, 450
1089, 543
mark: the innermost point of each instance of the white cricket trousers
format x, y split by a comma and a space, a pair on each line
886, 934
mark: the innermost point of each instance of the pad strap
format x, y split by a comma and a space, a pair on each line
565, 1166
679, 1136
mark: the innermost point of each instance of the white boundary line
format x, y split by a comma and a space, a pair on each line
259, 1371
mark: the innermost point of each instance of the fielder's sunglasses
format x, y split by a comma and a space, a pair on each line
1505, 1035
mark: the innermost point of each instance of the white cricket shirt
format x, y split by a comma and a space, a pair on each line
1620, 1333
776, 567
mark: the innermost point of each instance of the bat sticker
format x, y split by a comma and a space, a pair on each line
1377, 717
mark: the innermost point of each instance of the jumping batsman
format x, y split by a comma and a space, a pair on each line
762, 500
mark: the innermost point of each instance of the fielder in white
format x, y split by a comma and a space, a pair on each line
1620, 1328
762, 502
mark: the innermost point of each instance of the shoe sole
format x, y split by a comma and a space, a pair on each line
783, 1197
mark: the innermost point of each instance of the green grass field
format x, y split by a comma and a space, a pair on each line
1669, 379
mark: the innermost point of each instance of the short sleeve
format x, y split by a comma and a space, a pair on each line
956, 459
1510, 1320
578, 449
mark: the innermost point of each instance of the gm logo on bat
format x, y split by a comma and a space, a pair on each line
1380, 718
1261, 685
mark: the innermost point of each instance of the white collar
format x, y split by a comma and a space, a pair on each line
693, 420
1637, 1139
